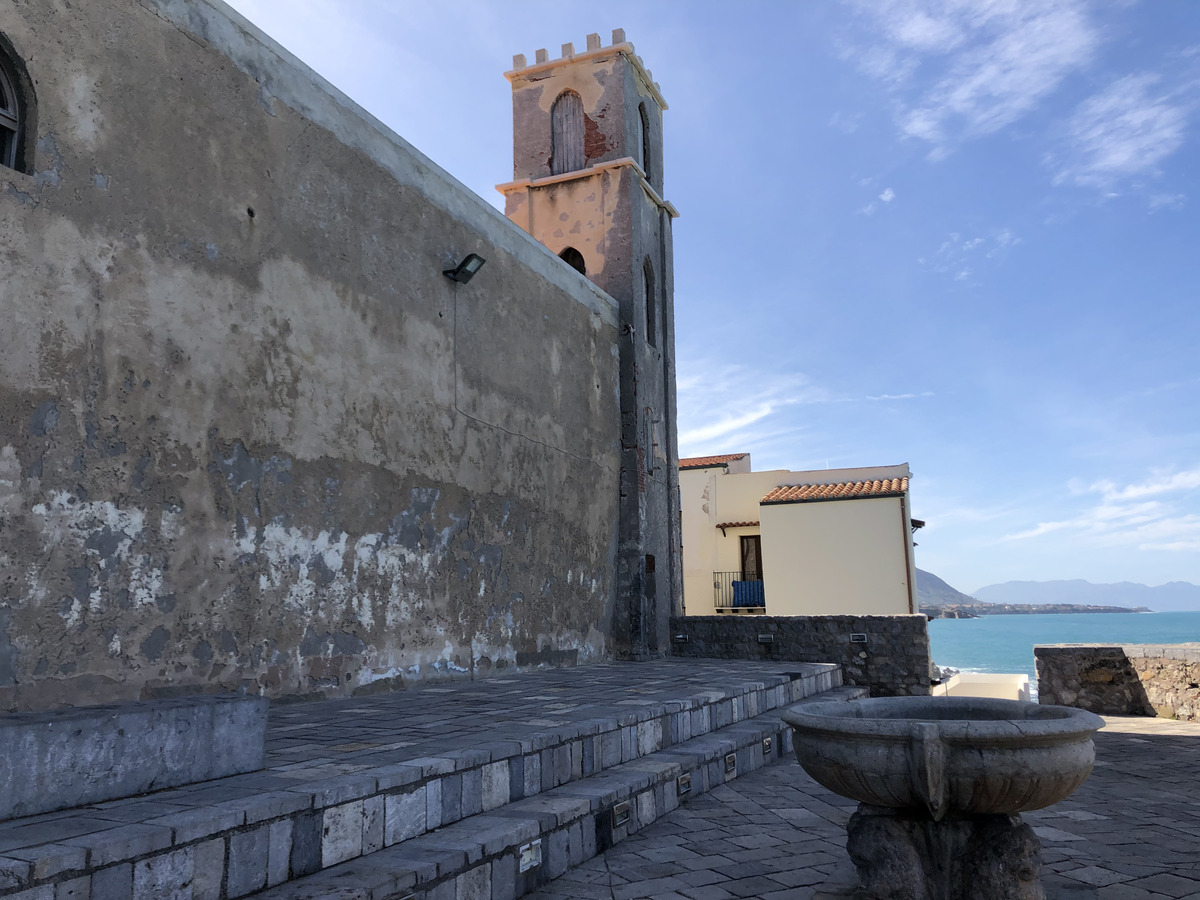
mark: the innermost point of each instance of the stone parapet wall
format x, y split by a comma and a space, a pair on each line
75, 757
1122, 679
887, 654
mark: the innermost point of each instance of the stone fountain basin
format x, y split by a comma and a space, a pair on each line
945, 755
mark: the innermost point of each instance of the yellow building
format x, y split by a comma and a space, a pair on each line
831, 542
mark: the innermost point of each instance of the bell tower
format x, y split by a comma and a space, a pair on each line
588, 183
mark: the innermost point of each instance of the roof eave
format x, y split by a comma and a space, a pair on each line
890, 494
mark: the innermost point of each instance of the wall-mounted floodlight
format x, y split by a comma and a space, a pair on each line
465, 270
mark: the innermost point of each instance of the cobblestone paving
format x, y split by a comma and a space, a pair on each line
1132, 832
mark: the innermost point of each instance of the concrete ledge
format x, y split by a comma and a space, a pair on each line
65, 758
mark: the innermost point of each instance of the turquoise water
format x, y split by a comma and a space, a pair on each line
1005, 643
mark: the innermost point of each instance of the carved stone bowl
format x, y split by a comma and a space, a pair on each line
939, 755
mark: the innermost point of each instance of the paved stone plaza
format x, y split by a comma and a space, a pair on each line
464, 714
1132, 832
433, 792
430, 792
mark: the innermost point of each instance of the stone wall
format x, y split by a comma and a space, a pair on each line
1122, 680
250, 435
887, 654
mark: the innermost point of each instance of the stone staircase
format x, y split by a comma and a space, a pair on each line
506, 810
509, 851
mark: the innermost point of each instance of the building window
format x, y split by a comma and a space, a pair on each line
11, 118
644, 128
574, 259
651, 303
566, 134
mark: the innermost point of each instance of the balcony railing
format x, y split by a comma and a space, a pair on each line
735, 592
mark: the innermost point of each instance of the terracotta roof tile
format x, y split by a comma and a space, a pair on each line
846, 490
724, 525
704, 462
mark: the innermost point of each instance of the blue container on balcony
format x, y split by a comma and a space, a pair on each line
748, 593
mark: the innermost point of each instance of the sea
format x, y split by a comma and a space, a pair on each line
1005, 643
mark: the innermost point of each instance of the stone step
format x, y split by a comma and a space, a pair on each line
64, 758
231, 837
481, 857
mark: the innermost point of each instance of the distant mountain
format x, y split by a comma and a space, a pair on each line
933, 592
938, 600
1175, 596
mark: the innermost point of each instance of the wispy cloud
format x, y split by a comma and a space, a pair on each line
725, 408
1163, 483
721, 405
846, 123
959, 255
1166, 201
880, 397
1147, 515
728, 423
1125, 130
990, 62
1139, 395
887, 196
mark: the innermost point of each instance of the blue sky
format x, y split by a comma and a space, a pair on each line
962, 234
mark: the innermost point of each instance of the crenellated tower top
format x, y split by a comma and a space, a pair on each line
542, 62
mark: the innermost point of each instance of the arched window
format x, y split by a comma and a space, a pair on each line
651, 304
574, 259
566, 133
644, 127
10, 113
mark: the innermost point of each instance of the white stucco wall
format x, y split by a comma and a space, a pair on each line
698, 510
836, 557
985, 684
710, 496
823, 558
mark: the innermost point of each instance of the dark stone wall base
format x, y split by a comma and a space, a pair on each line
889, 655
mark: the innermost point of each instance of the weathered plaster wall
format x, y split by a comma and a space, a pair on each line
249, 434
1123, 680
590, 213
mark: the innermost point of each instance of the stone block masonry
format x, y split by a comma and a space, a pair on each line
75, 757
889, 655
413, 809
1123, 679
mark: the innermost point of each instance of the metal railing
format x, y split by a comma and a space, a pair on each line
732, 591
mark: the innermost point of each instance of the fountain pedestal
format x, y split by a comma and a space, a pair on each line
902, 856
941, 781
